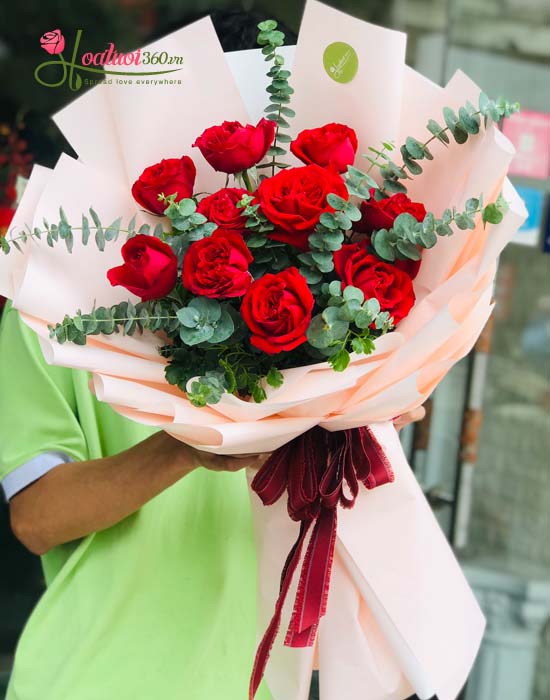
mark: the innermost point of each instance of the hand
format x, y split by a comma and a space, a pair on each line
226, 463
413, 416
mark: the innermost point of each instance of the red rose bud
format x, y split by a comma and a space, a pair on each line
53, 42
332, 145
232, 147
277, 309
382, 213
150, 269
294, 200
170, 176
221, 209
217, 267
384, 281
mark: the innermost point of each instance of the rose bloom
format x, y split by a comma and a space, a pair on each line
375, 278
170, 176
150, 268
232, 147
331, 145
382, 213
277, 309
294, 200
217, 266
221, 209
53, 42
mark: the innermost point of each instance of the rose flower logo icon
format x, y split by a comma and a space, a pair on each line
53, 42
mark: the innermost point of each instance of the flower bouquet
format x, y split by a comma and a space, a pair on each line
278, 292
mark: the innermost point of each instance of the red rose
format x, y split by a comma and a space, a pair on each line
391, 286
331, 145
217, 266
53, 42
277, 309
232, 147
221, 208
382, 213
294, 200
170, 176
150, 268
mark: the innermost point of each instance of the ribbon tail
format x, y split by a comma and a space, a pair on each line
313, 588
265, 646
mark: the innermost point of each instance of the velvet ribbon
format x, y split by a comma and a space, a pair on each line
319, 470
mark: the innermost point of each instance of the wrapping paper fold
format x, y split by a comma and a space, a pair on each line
401, 617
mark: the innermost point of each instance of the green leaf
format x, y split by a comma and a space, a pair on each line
492, 214
189, 317
408, 249
194, 336
274, 377
414, 148
335, 288
112, 231
340, 360
336, 202
469, 122
85, 229
267, 25
450, 117
354, 293
382, 245
394, 187
209, 309
438, 131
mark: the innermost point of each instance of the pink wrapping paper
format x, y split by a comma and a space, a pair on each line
380, 639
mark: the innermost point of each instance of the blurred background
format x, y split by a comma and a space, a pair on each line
482, 454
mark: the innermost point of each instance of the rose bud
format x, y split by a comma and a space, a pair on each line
53, 42
294, 200
217, 267
232, 147
375, 278
277, 309
170, 176
332, 145
150, 269
221, 209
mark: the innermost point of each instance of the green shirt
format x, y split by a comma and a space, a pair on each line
162, 605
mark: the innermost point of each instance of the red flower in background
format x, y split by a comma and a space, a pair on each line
221, 209
150, 269
277, 309
6, 215
294, 200
232, 147
331, 145
170, 176
384, 281
217, 267
53, 42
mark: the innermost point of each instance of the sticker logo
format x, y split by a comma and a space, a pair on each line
340, 62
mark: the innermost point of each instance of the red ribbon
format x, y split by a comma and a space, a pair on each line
319, 470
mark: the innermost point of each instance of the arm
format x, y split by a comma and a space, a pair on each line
78, 498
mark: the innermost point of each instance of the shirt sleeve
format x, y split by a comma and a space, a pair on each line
29, 472
38, 411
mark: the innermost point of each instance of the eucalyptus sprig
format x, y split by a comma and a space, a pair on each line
64, 231
458, 126
402, 241
328, 237
348, 323
188, 224
279, 90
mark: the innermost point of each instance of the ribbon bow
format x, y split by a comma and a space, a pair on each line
319, 470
